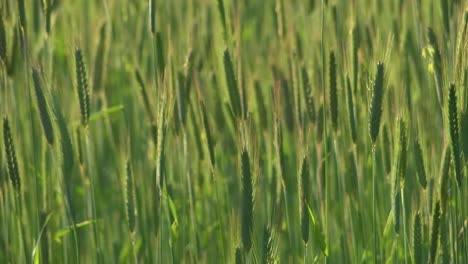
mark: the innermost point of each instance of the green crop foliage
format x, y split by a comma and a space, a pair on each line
216, 131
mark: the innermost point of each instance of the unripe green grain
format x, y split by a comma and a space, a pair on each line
376, 103
454, 133
308, 95
417, 240
82, 87
43, 107
444, 238
402, 151
435, 232
10, 153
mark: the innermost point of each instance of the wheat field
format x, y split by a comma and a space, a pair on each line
217, 131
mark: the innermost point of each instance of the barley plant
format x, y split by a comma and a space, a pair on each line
218, 131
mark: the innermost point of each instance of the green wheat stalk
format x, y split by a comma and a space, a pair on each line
43, 107
374, 125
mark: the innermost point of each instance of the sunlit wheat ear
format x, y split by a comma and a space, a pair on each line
308, 95
247, 202
437, 64
11, 156
333, 91
233, 88
376, 103
82, 87
435, 232
351, 116
418, 159
454, 133
417, 240
130, 197
305, 187
43, 107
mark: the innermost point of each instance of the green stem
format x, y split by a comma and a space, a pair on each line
404, 222
93, 197
374, 219
322, 14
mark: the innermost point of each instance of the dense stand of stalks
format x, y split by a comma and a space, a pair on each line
252, 131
